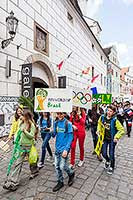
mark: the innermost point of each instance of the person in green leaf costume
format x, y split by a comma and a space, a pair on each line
22, 146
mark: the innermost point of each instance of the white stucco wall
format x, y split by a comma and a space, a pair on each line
64, 37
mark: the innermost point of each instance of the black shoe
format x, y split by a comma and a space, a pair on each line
110, 171
71, 179
106, 166
11, 187
33, 175
58, 186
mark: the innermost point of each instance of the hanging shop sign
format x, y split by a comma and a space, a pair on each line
27, 80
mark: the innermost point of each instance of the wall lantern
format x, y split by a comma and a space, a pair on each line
12, 24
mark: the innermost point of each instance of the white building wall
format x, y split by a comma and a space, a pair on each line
64, 37
113, 56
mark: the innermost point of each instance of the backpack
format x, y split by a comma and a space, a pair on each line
66, 126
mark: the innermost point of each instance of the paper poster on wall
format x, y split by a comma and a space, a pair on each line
82, 98
53, 100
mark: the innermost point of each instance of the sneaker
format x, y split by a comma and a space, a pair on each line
72, 166
40, 165
81, 162
106, 166
110, 171
58, 186
49, 158
10, 187
71, 179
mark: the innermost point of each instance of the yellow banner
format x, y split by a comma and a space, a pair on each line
100, 140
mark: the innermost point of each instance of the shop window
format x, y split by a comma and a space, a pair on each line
101, 79
41, 39
104, 80
92, 71
93, 47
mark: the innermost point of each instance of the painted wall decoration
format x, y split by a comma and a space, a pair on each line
7, 108
102, 99
82, 98
53, 100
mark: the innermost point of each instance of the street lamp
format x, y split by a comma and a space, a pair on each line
12, 24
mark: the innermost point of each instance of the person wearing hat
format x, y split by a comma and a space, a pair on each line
128, 115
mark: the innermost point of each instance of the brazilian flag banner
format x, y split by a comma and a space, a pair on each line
102, 98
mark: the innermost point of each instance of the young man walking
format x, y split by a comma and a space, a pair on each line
112, 130
64, 136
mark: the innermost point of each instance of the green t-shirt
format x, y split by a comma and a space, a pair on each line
27, 138
107, 129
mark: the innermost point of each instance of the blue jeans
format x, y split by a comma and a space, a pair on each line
60, 165
45, 137
111, 157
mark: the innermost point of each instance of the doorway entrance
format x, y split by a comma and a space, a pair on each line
38, 83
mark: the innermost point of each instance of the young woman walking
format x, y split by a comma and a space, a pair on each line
78, 118
45, 123
15, 122
23, 143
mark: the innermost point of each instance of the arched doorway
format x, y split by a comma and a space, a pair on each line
43, 74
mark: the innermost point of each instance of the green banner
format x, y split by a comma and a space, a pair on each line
102, 98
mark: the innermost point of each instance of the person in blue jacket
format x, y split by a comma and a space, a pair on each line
64, 135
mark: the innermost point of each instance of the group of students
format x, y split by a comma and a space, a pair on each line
67, 130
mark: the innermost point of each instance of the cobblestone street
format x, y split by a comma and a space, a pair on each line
91, 181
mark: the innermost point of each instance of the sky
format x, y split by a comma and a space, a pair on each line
116, 20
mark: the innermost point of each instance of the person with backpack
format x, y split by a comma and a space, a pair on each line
128, 115
64, 135
110, 131
78, 118
45, 123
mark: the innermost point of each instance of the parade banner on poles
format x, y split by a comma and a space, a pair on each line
102, 98
82, 98
53, 100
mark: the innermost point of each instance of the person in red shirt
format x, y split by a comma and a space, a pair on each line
78, 118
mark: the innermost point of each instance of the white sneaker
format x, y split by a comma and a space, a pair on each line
40, 165
49, 158
81, 162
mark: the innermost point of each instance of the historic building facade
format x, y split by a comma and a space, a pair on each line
48, 31
126, 86
113, 72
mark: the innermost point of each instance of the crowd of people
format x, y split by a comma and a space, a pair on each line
106, 125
